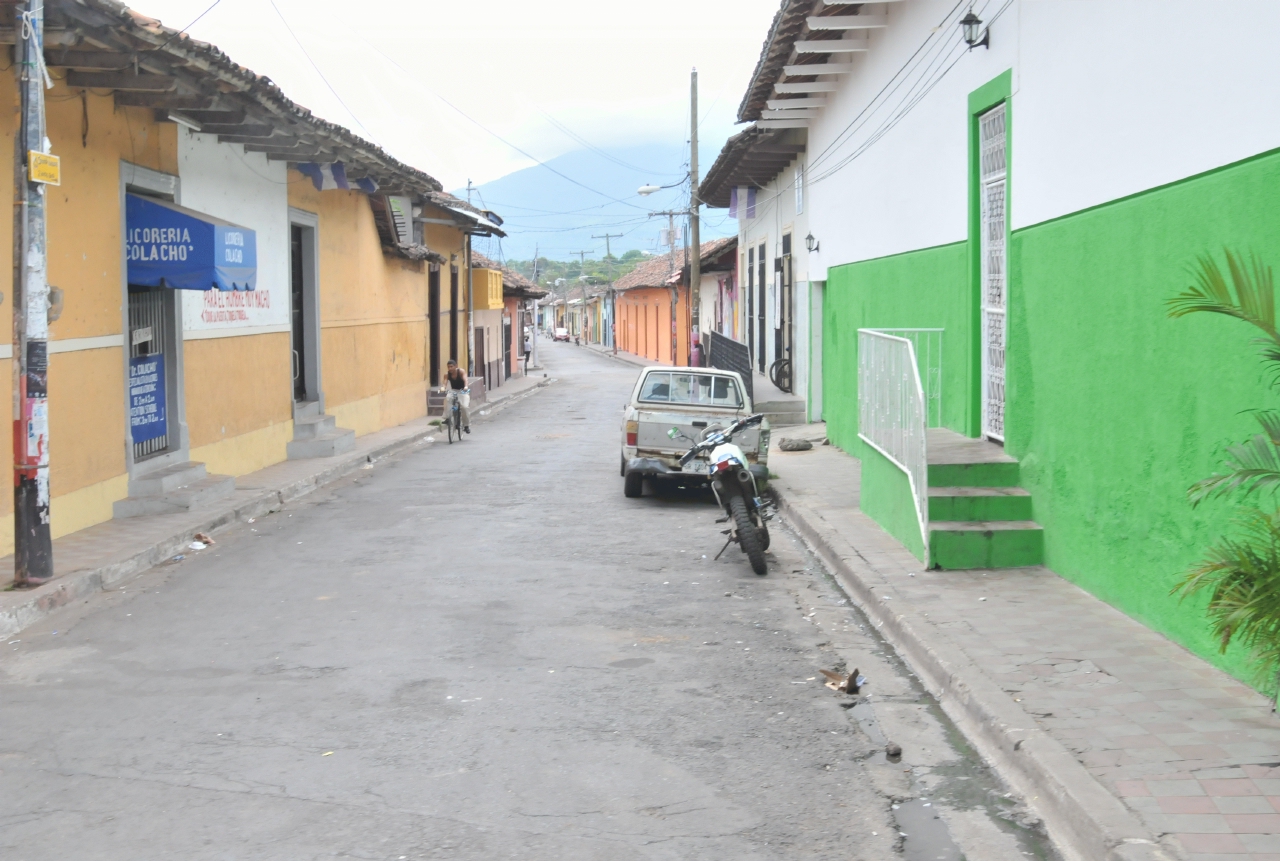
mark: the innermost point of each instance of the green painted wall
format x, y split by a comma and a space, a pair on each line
887, 499
922, 289
1114, 409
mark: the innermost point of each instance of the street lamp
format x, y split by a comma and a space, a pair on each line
649, 188
811, 243
974, 35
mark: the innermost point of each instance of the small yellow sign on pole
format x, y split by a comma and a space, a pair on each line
45, 168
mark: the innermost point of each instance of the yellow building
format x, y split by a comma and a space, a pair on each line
357, 264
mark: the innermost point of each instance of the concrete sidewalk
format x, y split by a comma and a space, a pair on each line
101, 556
1126, 744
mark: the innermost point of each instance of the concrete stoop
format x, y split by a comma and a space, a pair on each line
978, 515
783, 413
172, 489
316, 435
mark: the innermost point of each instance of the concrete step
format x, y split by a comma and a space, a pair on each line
310, 427
198, 494
979, 503
326, 445
999, 474
985, 544
306, 409
166, 479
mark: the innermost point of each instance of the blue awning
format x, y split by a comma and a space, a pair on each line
167, 245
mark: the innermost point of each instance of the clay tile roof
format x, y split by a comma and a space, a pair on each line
204, 69
660, 271
513, 283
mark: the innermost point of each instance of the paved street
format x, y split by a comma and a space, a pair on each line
358, 676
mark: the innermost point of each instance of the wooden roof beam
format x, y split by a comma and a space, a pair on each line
810, 87
174, 101
848, 22
122, 82
832, 46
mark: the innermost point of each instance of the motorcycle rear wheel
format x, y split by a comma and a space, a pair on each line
749, 537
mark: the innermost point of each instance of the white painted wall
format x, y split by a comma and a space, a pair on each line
244, 188
1110, 97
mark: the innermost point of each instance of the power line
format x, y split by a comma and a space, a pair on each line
317, 68
186, 28
489, 131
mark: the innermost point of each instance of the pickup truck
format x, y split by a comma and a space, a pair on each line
697, 401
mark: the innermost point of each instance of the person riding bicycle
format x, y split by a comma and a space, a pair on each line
457, 383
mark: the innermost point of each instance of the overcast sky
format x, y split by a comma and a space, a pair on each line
613, 73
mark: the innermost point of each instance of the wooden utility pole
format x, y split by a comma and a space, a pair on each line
695, 242
582, 283
33, 543
613, 319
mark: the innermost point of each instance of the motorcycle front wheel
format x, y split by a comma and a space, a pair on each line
749, 537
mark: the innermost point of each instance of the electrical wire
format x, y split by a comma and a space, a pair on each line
597, 150
166, 42
317, 68
494, 134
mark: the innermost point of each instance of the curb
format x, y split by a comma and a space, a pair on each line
44, 600
1083, 818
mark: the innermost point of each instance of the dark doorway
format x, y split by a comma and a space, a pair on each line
453, 315
783, 334
762, 305
750, 339
433, 324
298, 296
506, 348
481, 368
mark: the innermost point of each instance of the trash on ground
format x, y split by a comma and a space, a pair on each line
197, 545
786, 444
849, 684
178, 558
202, 537
327, 753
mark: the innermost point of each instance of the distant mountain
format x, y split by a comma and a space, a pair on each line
560, 216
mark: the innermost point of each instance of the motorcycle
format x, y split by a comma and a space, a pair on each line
734, 486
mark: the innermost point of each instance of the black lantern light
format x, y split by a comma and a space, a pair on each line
974, 33
811, 243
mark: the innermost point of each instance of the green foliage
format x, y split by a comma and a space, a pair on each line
1254, 300
596, 271
1242, 576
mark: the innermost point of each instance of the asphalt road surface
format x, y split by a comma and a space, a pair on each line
483, 651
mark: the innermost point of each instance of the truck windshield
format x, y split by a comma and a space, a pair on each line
696, 389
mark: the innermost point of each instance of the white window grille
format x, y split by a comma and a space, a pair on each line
892, 412
799, 188
993, 231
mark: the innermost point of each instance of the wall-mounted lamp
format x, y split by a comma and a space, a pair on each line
974, 33
811, 243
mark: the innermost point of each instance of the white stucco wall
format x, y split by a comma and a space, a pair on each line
244, 188
1110, 97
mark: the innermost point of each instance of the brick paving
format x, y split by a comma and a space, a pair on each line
1192, 752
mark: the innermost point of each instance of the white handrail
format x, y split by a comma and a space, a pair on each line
893, 412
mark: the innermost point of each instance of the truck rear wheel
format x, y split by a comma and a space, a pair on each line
633, 487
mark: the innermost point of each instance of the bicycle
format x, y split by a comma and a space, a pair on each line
453, 416
780, 374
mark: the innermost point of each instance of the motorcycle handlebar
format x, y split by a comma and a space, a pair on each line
724, 436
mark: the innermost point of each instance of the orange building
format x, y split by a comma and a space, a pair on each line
652, 306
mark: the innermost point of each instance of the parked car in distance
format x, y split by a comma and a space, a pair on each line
562, 334
696, 401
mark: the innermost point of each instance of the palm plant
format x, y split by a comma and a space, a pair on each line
1242, 574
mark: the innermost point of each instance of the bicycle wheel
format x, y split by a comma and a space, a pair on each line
780, 375
448, 423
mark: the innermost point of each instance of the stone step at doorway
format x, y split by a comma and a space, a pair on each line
978, 515
173, 489
316, 434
